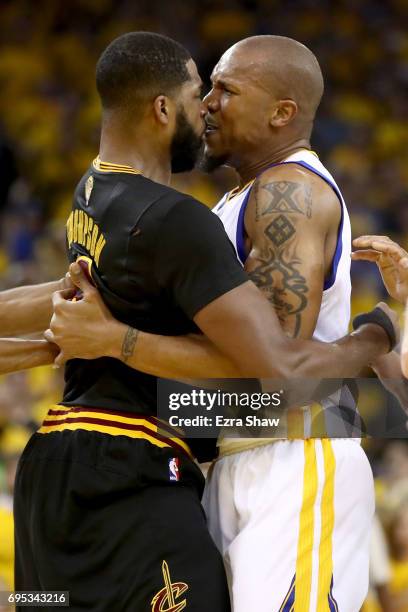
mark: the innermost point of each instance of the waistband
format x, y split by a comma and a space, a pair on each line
129, 424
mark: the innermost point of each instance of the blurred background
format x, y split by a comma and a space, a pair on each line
49, 133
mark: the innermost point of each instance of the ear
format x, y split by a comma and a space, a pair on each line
283, 113
161, 107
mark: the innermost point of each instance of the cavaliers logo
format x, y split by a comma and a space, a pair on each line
88, 189
165, 600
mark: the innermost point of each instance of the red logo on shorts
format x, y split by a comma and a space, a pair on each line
164, 601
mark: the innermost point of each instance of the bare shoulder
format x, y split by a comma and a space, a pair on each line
293, 190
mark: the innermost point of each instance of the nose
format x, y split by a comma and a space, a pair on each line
210, 102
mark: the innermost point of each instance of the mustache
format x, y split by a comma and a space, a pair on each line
209, 122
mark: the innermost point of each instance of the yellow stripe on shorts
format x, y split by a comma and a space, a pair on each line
303, 583
327, 527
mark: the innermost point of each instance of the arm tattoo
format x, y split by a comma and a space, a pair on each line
277, 275
277, 270
129, 343
285, 197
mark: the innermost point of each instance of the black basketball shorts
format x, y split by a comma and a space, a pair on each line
114, 519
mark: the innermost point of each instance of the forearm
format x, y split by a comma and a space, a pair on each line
173, 357
25, 310
388, 370
180, 357
344, 358
16, 354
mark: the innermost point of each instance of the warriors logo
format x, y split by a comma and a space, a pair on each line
165, 600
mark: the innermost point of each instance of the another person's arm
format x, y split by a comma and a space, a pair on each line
25, 310
389, 370
17, 354
392, 262
86, 329
247, 338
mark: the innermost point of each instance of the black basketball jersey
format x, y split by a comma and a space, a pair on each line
158, 257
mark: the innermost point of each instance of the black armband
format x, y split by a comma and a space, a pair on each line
378, 317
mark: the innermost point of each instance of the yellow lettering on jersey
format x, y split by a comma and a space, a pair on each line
93, 241
98, 250
83, 230
80, 226
70, 229
88, 240
75, 226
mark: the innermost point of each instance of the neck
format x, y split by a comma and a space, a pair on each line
251, 169
139, 153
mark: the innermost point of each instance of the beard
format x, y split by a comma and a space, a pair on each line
209, 163
186, 145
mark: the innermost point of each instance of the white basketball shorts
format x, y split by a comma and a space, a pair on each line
292, 520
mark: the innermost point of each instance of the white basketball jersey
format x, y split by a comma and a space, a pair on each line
334, 316
340, 416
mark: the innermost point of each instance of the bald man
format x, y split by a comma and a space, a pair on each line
292, 518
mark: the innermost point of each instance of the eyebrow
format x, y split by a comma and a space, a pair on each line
224, 82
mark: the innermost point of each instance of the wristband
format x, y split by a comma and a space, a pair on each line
378, 317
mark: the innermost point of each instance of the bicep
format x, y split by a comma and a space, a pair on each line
244, 327
287, 263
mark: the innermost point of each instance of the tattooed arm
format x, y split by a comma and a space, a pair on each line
292, 221
86, 329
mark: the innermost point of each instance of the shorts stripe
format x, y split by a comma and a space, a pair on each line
318, 421
303, 583
123, 417
332, 602
135, 426
287, 605
295, 419
327, 527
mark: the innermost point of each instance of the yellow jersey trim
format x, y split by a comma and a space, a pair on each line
102, 166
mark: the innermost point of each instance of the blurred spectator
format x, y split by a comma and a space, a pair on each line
398, 586
49, 133
12, 441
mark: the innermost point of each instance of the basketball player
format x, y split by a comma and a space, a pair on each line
293, 533
107, 500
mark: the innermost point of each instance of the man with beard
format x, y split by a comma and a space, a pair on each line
98, 509
290, 228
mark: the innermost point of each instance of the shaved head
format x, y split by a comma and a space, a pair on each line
282, 66
263, 101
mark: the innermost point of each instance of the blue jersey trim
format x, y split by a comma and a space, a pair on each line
241, 229
330, 280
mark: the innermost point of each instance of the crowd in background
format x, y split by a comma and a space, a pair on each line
49, 131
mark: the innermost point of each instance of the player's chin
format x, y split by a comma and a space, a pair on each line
211, 137
212, 157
